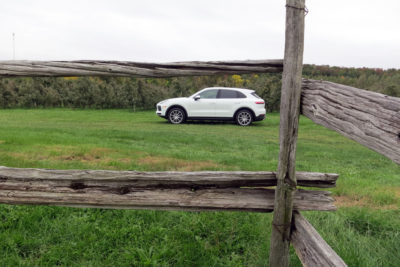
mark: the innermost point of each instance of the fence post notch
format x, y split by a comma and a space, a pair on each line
289, 120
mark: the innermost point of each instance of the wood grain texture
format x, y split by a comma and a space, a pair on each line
289, 121
223, 199
310, 247
135, 179
134, 69
146, 190
369, 118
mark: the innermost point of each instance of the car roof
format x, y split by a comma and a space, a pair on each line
232, 88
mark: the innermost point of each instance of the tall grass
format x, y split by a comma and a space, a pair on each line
365, 231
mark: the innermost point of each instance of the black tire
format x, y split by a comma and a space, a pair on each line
244, 117
176, 115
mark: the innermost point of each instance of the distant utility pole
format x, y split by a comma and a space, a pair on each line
13, 36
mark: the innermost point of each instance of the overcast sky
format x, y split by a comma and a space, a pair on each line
356, 33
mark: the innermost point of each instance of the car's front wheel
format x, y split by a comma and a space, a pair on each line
176, 116
244, 117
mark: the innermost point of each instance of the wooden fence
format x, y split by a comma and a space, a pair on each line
134, 69
369, 118
193, 191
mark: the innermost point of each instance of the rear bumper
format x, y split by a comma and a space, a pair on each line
259, 117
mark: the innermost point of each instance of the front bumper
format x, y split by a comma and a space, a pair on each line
160, 115
160, 111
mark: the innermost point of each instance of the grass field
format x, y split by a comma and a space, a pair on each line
365, 231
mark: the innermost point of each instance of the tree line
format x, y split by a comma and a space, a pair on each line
144, 93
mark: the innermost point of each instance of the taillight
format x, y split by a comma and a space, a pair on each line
259, 102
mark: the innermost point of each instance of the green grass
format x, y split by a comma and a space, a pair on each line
365, 231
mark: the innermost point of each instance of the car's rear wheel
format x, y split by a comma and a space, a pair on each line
244, 117
176, 116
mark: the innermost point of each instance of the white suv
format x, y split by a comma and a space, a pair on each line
216, 103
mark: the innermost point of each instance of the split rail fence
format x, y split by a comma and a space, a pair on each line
370, 118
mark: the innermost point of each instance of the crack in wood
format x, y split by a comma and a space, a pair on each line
77, 185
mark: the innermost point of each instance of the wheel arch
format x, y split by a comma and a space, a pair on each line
241, 108
176, 106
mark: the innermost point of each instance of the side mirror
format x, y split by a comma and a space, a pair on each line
197, 97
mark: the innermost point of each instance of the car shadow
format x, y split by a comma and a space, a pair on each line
213, 122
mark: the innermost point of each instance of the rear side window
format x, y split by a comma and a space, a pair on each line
255, 95
230, 94
240, 95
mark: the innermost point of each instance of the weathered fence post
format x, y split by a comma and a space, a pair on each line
289, 119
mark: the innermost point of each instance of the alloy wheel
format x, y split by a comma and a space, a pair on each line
176, 116
244, 118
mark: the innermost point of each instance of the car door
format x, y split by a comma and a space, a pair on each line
228, 101
204, 106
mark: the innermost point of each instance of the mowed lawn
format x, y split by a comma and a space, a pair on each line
365, 231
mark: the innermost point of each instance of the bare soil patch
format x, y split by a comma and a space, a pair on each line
347, 201
166, 163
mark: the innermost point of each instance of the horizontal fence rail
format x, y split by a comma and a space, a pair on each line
168, 179
226, 199
23, 68
369, 118
310, 246
129, 190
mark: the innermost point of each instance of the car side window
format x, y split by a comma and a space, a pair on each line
209, 94
240, 95
230, 94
